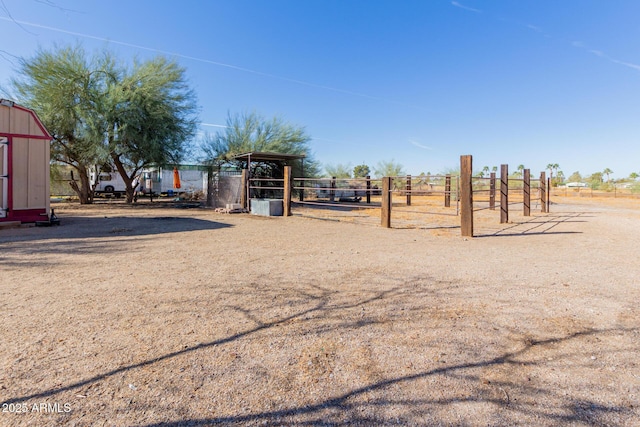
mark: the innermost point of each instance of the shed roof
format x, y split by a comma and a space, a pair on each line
19, 121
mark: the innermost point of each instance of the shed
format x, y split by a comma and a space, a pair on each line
24, 165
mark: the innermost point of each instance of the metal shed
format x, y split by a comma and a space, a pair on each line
24, 165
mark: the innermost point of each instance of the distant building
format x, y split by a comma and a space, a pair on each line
576, 184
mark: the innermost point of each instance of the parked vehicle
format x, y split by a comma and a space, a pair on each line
108, 183
157, 180
161, 180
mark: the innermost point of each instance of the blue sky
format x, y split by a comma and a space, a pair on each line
527, 82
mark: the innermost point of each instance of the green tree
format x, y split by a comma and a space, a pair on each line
214, 150
248, 132
338, 171
361, 171
150, 118
575, 177
485, 171
64, 87
607, 172
100, 112
595, 180
633, 176
389, 168
552, 167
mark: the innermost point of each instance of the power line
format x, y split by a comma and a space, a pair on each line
208, 61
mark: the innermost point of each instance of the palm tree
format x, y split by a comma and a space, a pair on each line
633, 176
552, 167
485, 170
607, 172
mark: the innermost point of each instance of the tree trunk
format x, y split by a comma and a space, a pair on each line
128, 180
84, 190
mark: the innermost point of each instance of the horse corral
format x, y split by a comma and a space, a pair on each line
445, 202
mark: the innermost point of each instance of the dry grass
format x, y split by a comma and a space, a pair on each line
155, 316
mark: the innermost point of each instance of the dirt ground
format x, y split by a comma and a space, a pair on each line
168, 316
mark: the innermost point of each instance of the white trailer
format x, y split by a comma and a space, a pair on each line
108, 183
160, 181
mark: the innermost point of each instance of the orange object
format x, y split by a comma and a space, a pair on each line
176, 178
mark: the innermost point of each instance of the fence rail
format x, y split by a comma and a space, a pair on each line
500, 192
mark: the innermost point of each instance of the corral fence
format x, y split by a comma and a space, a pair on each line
481, 193
615, 191
512, 191
362, 199
366, 199
455, 196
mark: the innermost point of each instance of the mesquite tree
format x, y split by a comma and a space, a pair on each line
251, 132
102, 112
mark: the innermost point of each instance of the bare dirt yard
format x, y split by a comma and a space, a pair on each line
162, 316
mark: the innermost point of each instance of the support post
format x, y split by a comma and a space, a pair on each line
368, 196
526, 192
386, 202
447, 191
244, 194
286, 202
504, 194
408, 190
332, 191
492, 191
303, 182
466, 196
301, 190
548, 195
543, 192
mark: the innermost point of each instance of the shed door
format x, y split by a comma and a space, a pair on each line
4, 178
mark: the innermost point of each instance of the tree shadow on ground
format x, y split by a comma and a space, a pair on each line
366, 405
349, 409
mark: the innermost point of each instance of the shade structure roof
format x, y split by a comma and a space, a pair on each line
258, 156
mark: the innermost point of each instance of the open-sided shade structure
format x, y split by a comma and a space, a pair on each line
267, 157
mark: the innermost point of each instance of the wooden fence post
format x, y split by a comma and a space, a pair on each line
286, 202
548, 195
244, 194
504, 194
447, 191
368, 196
332, 191
301, 190
466, 196
492, 191
526, 192
408, 190
385, 210
543, 192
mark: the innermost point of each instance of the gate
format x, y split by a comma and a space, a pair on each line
224, 188
4, 176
